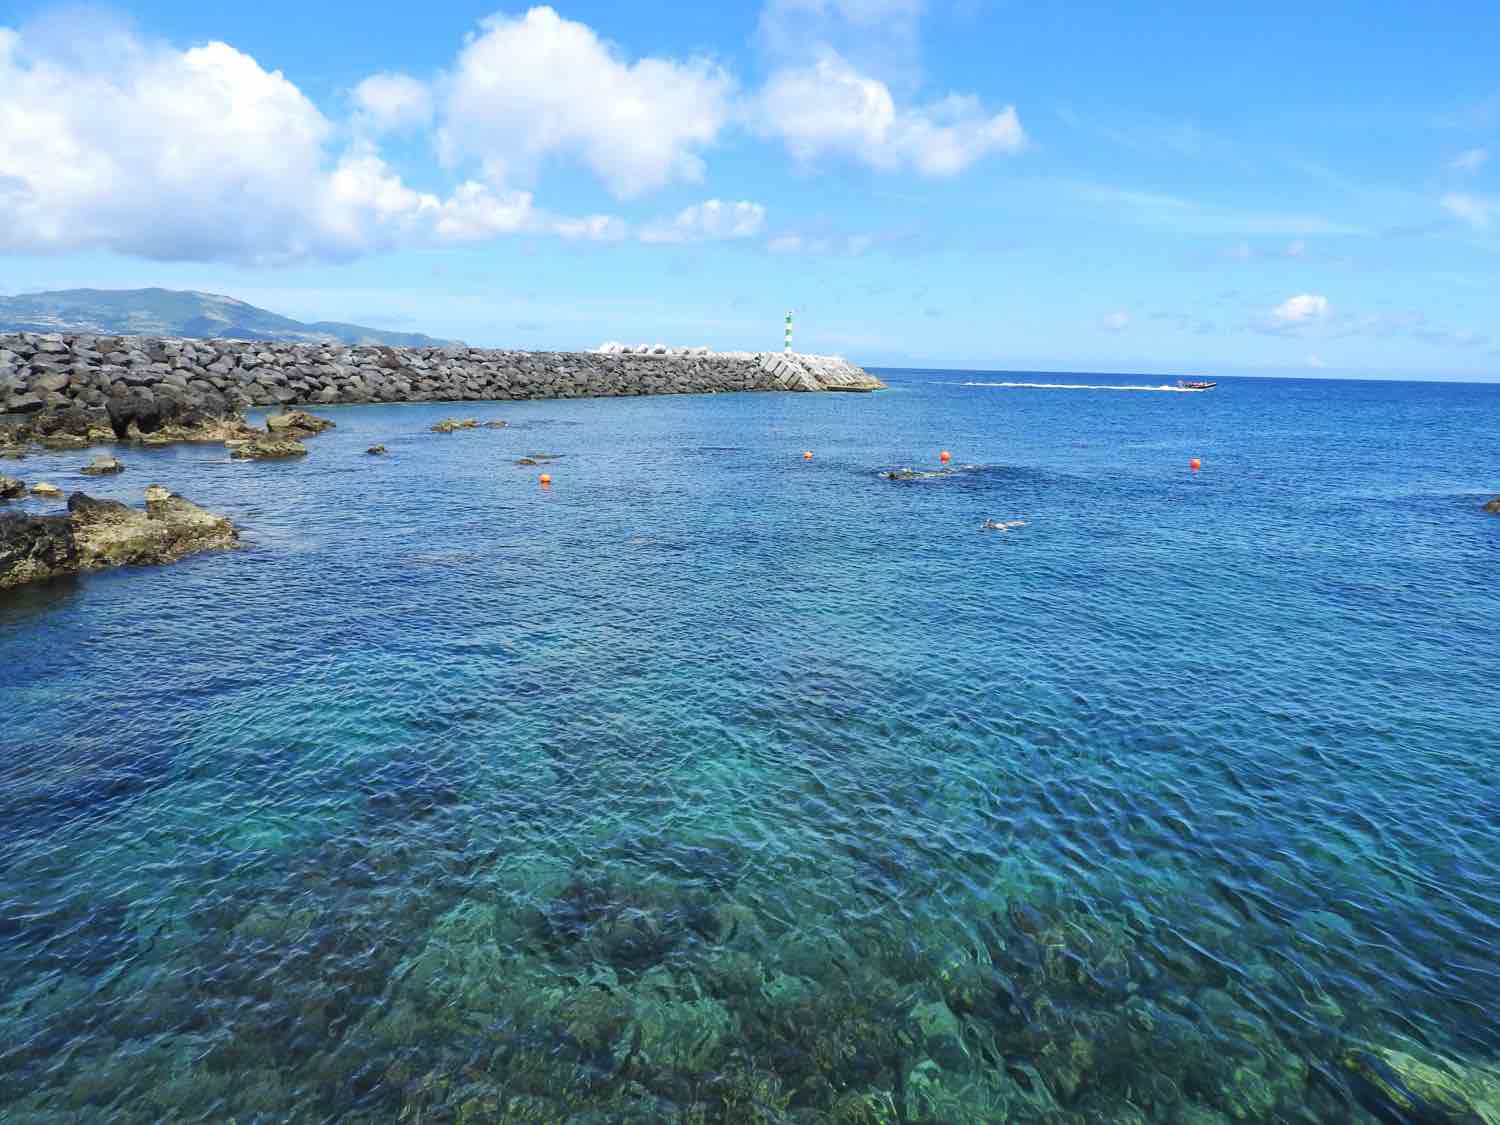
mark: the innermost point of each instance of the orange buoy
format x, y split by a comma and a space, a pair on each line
807, 456
1195, 464
545, 479
945, 456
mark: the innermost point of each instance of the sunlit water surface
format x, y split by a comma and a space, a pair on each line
713, 784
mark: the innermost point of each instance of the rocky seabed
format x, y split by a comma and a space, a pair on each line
144, 379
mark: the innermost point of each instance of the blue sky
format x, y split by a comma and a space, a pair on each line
1266, 188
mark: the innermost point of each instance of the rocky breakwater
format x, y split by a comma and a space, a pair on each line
96, 534
135, 387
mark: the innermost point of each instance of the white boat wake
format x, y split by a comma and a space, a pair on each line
1088, 387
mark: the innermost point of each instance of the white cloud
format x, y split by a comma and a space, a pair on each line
1470, 161
530, 88
1296, 249
880, 36
1316, 362
1305, 308
711, 220
393, 102
1189, 216
830, 108
852, 245
1475, 210
1115, 322
203, 155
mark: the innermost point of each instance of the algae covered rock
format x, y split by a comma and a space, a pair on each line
200, 426
102, 465
109, 533
12, 488
449, 425
296, 424
42, 488
1493, 506
375, 450
266, 449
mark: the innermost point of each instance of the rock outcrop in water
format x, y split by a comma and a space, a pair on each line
1493, 506
12, 488
101, 466
264, 448
96, 534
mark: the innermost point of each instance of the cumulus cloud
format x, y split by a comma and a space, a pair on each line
1305, 308
1115, 322
203, 155
832, 109
1476, 210
393, 102
711, 220
1469, 161
530, 88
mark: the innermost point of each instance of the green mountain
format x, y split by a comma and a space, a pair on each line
169, 312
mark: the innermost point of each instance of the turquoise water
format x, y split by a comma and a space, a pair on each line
715, 785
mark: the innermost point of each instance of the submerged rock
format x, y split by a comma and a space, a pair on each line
448, 425
927, 474
42, 488
296, 424
12, 488
1442, 1091
266, 449
102, 465
102, 533
1001, 525
375, 450
1493, 506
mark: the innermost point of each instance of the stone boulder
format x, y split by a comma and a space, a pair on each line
11, 488
1493, 506
42, 488
266, 449
102, 465
448, 425
296, 425
375, 450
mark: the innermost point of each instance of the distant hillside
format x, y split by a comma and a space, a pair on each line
169, 312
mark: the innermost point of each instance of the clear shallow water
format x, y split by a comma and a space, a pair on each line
710, 785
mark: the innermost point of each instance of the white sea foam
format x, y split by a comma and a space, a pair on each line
1087, 387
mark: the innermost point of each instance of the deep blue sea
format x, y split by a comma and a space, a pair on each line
712, 784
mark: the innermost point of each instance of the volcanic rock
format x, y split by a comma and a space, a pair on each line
103, 533
376, 450
42, 488
448, 425
11, 488
1493, 506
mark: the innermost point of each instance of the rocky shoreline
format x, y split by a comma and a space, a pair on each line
147, 384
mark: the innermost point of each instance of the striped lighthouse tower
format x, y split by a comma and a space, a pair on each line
788, 348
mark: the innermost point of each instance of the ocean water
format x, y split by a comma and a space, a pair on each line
712, 784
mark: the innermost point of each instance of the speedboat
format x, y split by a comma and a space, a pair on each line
1195, 385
